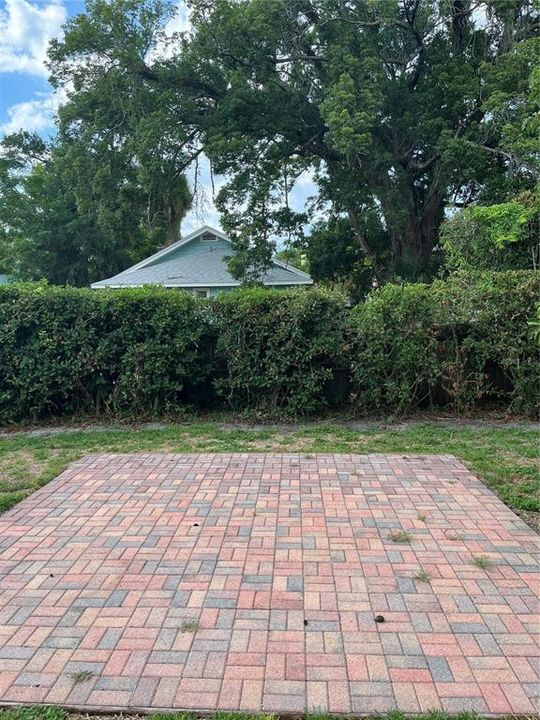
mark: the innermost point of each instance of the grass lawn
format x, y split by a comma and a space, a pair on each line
506, 459
56, 713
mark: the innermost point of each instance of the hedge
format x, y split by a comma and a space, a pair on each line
279, 349
69, 351
459, 343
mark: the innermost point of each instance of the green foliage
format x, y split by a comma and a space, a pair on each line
146, 352
396, 108
335, 256
534, 325
48, 230
110, 187
494, 237
294, 256
458, 343
279, 348
65, 351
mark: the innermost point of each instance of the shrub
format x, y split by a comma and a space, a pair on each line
459, 343
494, 237
279, 348
66, 350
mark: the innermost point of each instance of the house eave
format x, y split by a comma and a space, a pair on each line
101, 286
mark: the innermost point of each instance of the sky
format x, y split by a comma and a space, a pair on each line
28, 102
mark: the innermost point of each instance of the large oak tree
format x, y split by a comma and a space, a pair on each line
400, 108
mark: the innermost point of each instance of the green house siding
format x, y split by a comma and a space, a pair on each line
195, 247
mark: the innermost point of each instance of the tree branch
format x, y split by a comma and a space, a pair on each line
359, 233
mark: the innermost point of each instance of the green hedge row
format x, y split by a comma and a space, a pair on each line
67, 350
278, 350
458, 343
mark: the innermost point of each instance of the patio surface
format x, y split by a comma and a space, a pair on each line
252, 582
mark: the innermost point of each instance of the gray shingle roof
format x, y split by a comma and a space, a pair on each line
206, 269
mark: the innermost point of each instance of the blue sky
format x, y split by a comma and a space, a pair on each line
28, 102
26, 27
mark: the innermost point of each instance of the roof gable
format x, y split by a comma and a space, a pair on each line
171, 249
197, 260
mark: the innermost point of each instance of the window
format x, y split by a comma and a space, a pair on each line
208, 237
201, 293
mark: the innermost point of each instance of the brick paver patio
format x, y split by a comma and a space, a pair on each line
252, 582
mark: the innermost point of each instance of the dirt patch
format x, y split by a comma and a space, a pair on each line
531, 518
226, 421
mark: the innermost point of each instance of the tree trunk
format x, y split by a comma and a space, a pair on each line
415, 234
173, 229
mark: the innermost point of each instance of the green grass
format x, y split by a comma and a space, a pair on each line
506, 459
34, 712
55, 713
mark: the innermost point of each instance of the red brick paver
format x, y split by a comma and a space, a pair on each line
252, 582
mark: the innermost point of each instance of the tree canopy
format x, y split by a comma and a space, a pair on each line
110, 188
398, 109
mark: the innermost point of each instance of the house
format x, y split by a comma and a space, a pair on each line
197, 263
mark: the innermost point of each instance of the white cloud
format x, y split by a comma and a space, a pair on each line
179, 23
25, 31
32, 115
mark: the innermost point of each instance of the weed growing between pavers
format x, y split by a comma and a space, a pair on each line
399, 536
423, 576
81, 676
481, 561
189, 626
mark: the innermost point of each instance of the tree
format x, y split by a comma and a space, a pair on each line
45, 229
494, 237
334, 256
390, 104
399, 109
126, 147
110, 188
